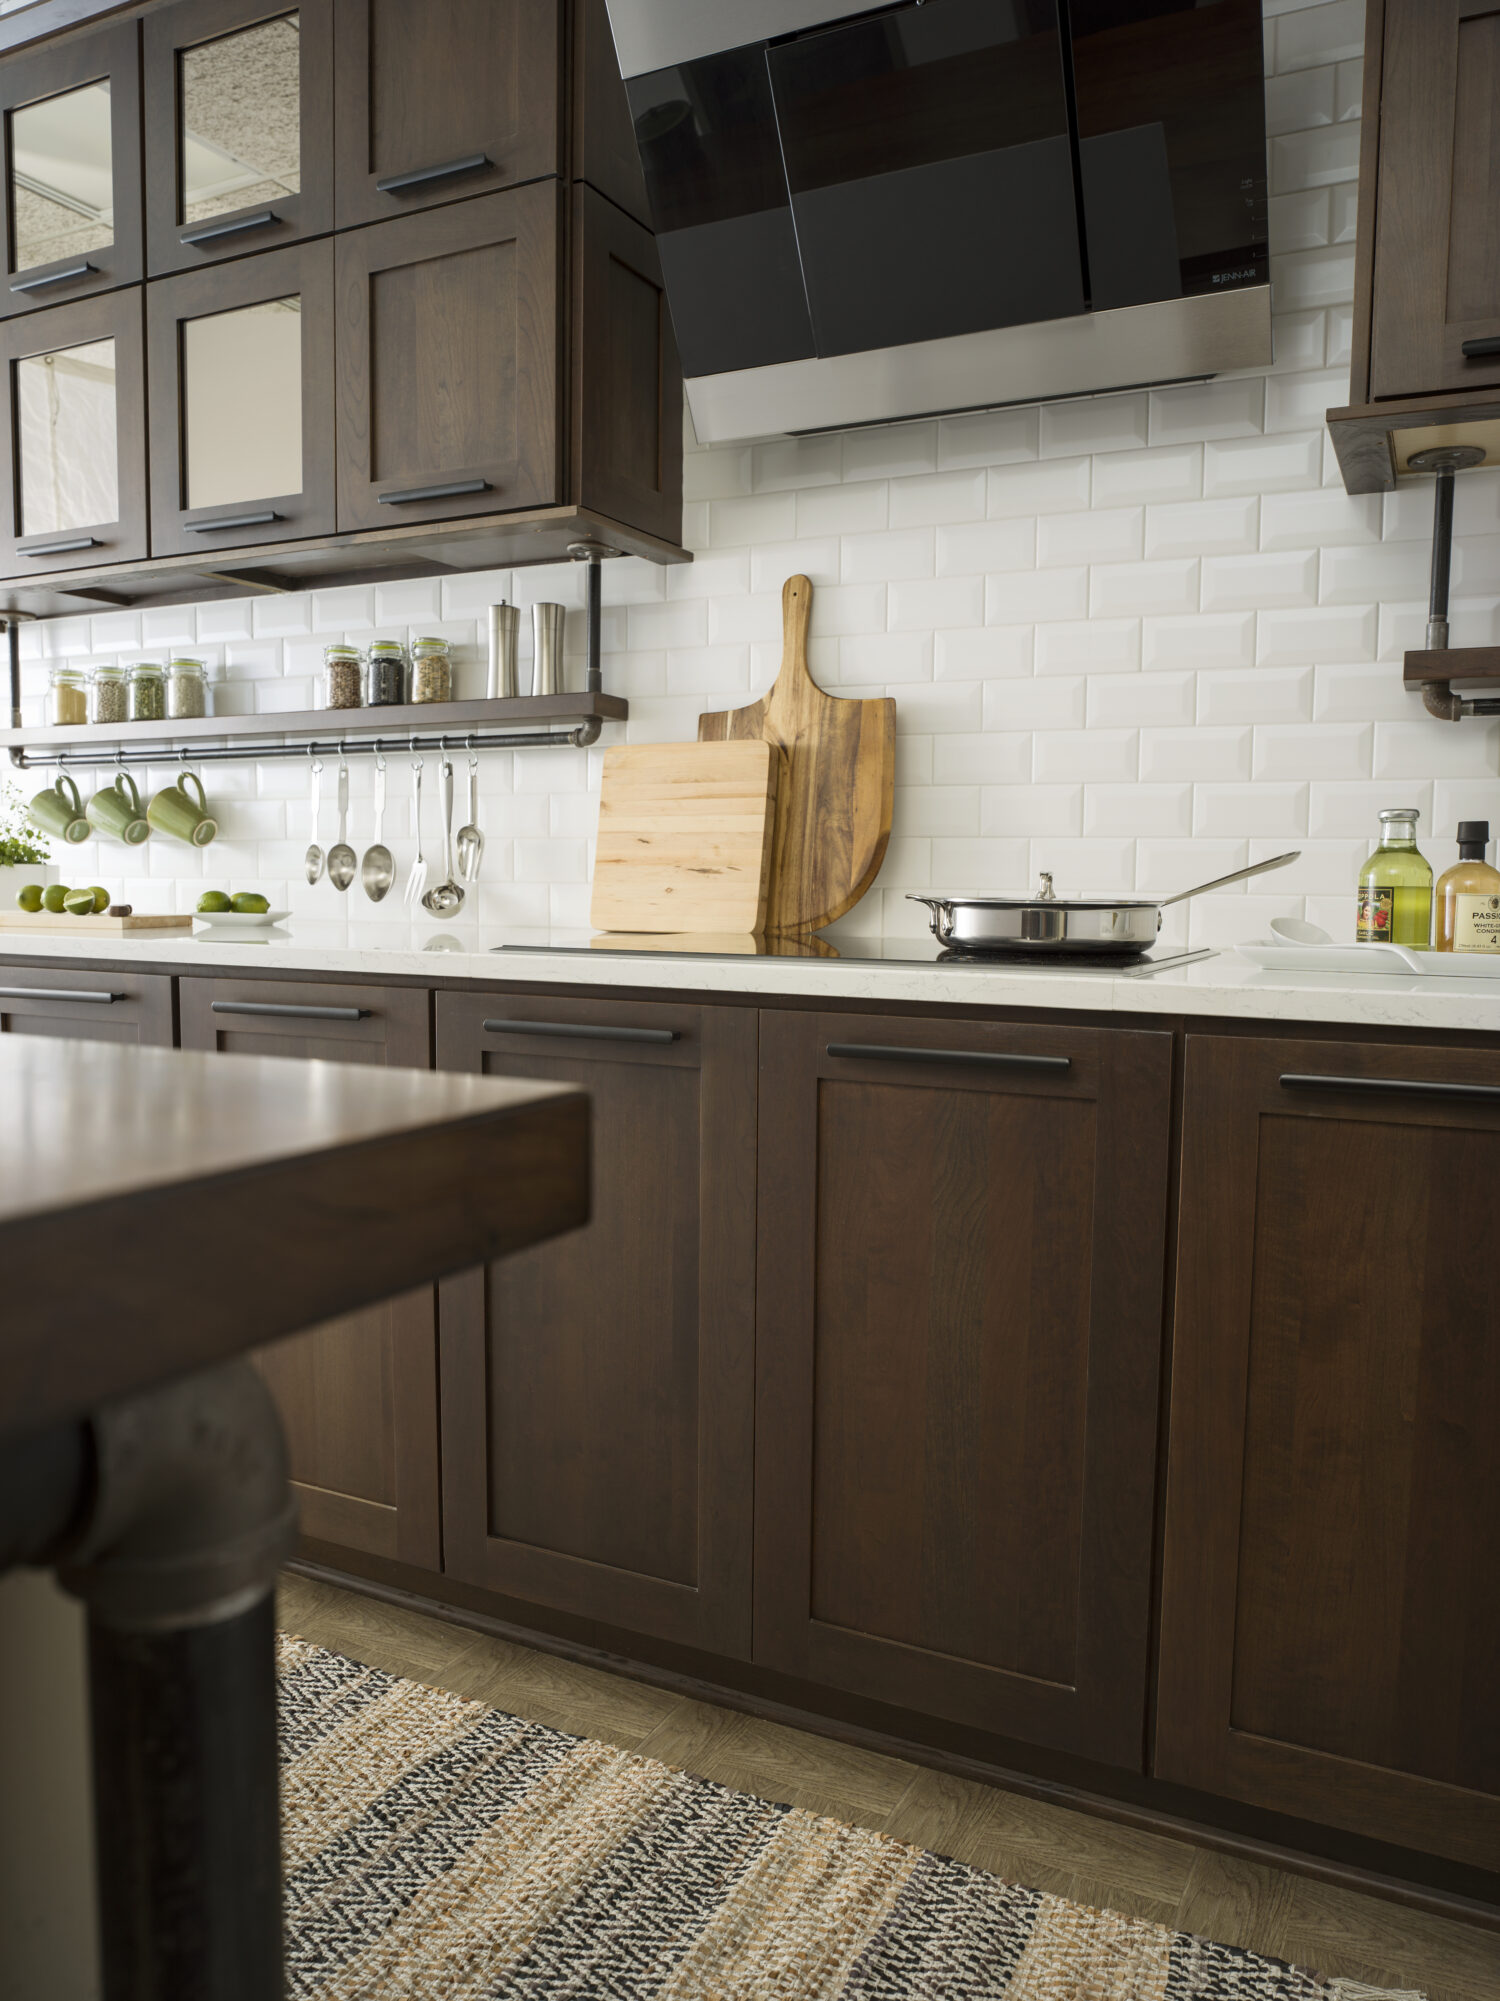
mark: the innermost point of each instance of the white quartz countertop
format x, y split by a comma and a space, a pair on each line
1223, 985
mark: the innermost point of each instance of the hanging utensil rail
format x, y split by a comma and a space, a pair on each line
167, 752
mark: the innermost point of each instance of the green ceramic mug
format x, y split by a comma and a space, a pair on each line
173, 812
59, 810
110, 811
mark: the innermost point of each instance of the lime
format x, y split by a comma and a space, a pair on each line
249, 903
79, 903
100, 896
214, 899
29, 898
54, 894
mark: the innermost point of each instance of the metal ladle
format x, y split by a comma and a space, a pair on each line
444, 898
470, 839
342, 860
313, 860
378, 870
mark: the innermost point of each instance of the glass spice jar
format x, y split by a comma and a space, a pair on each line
431, 671
341, 677
385, 674
67, 695
109, 691
148, 692
187, 689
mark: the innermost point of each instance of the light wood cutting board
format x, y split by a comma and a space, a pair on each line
685, 837
833, 815
100, 926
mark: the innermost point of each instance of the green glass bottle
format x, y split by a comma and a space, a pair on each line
1395, 886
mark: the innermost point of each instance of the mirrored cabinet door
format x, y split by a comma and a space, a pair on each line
239, 128
70, 224
240, 368
73, 399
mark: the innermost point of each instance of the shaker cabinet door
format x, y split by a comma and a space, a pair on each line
239, 128
240, 364
446, 331
70, 223
73, 415
958, 1344
597, 1390
357, 1395
113, 1006
1330, 1624
442, 100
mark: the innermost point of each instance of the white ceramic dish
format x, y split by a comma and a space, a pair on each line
240, 920
1277, 956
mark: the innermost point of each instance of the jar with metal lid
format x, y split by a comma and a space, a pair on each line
148, 692
187, 689
67, 695
385, 674
431, 671
342, 667
109, 691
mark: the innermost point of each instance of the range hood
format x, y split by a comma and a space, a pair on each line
948, 204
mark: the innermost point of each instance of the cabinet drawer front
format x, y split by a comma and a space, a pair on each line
1329, 1647
344, 1024
439, 102
597, 1391
958, 1342
115, 1005
446, 329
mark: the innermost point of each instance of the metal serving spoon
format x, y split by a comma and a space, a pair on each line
444, 898
470, 839
314, 858
378, 870
416, 882
342, 860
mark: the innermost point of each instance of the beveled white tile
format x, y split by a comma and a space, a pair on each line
1096, 535
1031, 811
1127, 701
1040, 487
1230, 408
1050, 702
989, 437
1021, 597
1118, 590
991, 757
1203, 527
1094, 424
1066, 756
1262, 465
1313, 750
1209, 639
979, 546
1316, 633
927, 603
1137, 810
1089, 646
1165, 472
1256, 695
1199, 755
1331, 33
1259, 808
1254, 582
934, 498
975, 656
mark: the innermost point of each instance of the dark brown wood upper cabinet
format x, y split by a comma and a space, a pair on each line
73, 410
71, 221
1330, 1627
357, 1395
598, 1390
443, 100
1436, 198
240, 366
958, 1340
447, 335
239, 129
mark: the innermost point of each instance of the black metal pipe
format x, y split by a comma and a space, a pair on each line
1442, 559
594, 681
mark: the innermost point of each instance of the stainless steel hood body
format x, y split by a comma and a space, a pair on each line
948, 204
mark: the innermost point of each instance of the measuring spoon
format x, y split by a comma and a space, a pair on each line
470, 839
342, 860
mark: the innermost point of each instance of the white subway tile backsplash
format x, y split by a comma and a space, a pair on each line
1230, 408
1127, 701
1262, 465
1202, 527
994, 757
1021, 597
1313, 750
1301, 221
762, 517
1060, 755
1220, 639
989, 437
996, 650
1089, 646
1094, 424
1031, 811
860, 508
1053, 487
1300, 99
1135, 810
1323, 633
1253, 582
1201, 756
978, 546
1305, 278
1098, 535
1256, 695
1117, 590
926, 604
888, 451
1330, 33
1313, 159
1259, 808
1123, 479
902, 552
932, 498
1042, 702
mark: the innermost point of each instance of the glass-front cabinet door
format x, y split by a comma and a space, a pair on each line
240, 369
239, 128
70, 224
74, 420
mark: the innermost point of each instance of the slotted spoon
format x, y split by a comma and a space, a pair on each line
416, 882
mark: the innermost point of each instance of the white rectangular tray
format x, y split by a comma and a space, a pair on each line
1402, 960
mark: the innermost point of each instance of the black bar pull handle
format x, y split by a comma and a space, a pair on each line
57, 548
231, 521
582, 1031
1472, 350
444, 492
210, 230
887, 1052
57, 993
1410, 1087
52, 277
394, 183
286, 1011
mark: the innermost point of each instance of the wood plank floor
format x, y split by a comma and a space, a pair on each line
1093, 1861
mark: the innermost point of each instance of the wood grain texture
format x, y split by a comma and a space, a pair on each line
833, 816
143, 1009
686, 833
1332, 1487
97, 926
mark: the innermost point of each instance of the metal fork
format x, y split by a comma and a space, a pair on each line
416, 882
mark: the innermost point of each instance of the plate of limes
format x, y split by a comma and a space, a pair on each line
249, 910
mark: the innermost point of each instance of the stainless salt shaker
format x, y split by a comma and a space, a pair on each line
505, 633
547, 648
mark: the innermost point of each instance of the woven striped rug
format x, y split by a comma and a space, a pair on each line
438, 1848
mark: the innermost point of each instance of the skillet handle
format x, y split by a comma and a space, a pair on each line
942, 916
1239, 875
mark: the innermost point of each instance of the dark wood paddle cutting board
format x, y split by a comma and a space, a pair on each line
833, 807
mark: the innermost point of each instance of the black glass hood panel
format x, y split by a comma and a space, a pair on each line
1172, 146
931, 174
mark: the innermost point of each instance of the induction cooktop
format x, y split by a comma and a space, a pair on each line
885, 951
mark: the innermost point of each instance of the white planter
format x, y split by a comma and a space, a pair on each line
19, 874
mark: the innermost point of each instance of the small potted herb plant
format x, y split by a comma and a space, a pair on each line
23, 849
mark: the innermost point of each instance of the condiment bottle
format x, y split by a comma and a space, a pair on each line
1395, 886
1466, 908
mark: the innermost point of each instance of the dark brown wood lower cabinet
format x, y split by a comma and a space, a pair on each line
112, 1006
1331, 1624
357, 1395
958, 1347
597, 1391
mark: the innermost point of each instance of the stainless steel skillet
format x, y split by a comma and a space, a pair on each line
1051, 926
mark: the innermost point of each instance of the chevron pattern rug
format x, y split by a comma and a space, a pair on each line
439, 1849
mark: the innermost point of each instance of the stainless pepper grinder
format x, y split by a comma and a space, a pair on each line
505, 635
547, 648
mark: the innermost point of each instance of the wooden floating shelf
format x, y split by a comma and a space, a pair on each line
1455, 663
329, 725
1375, 440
